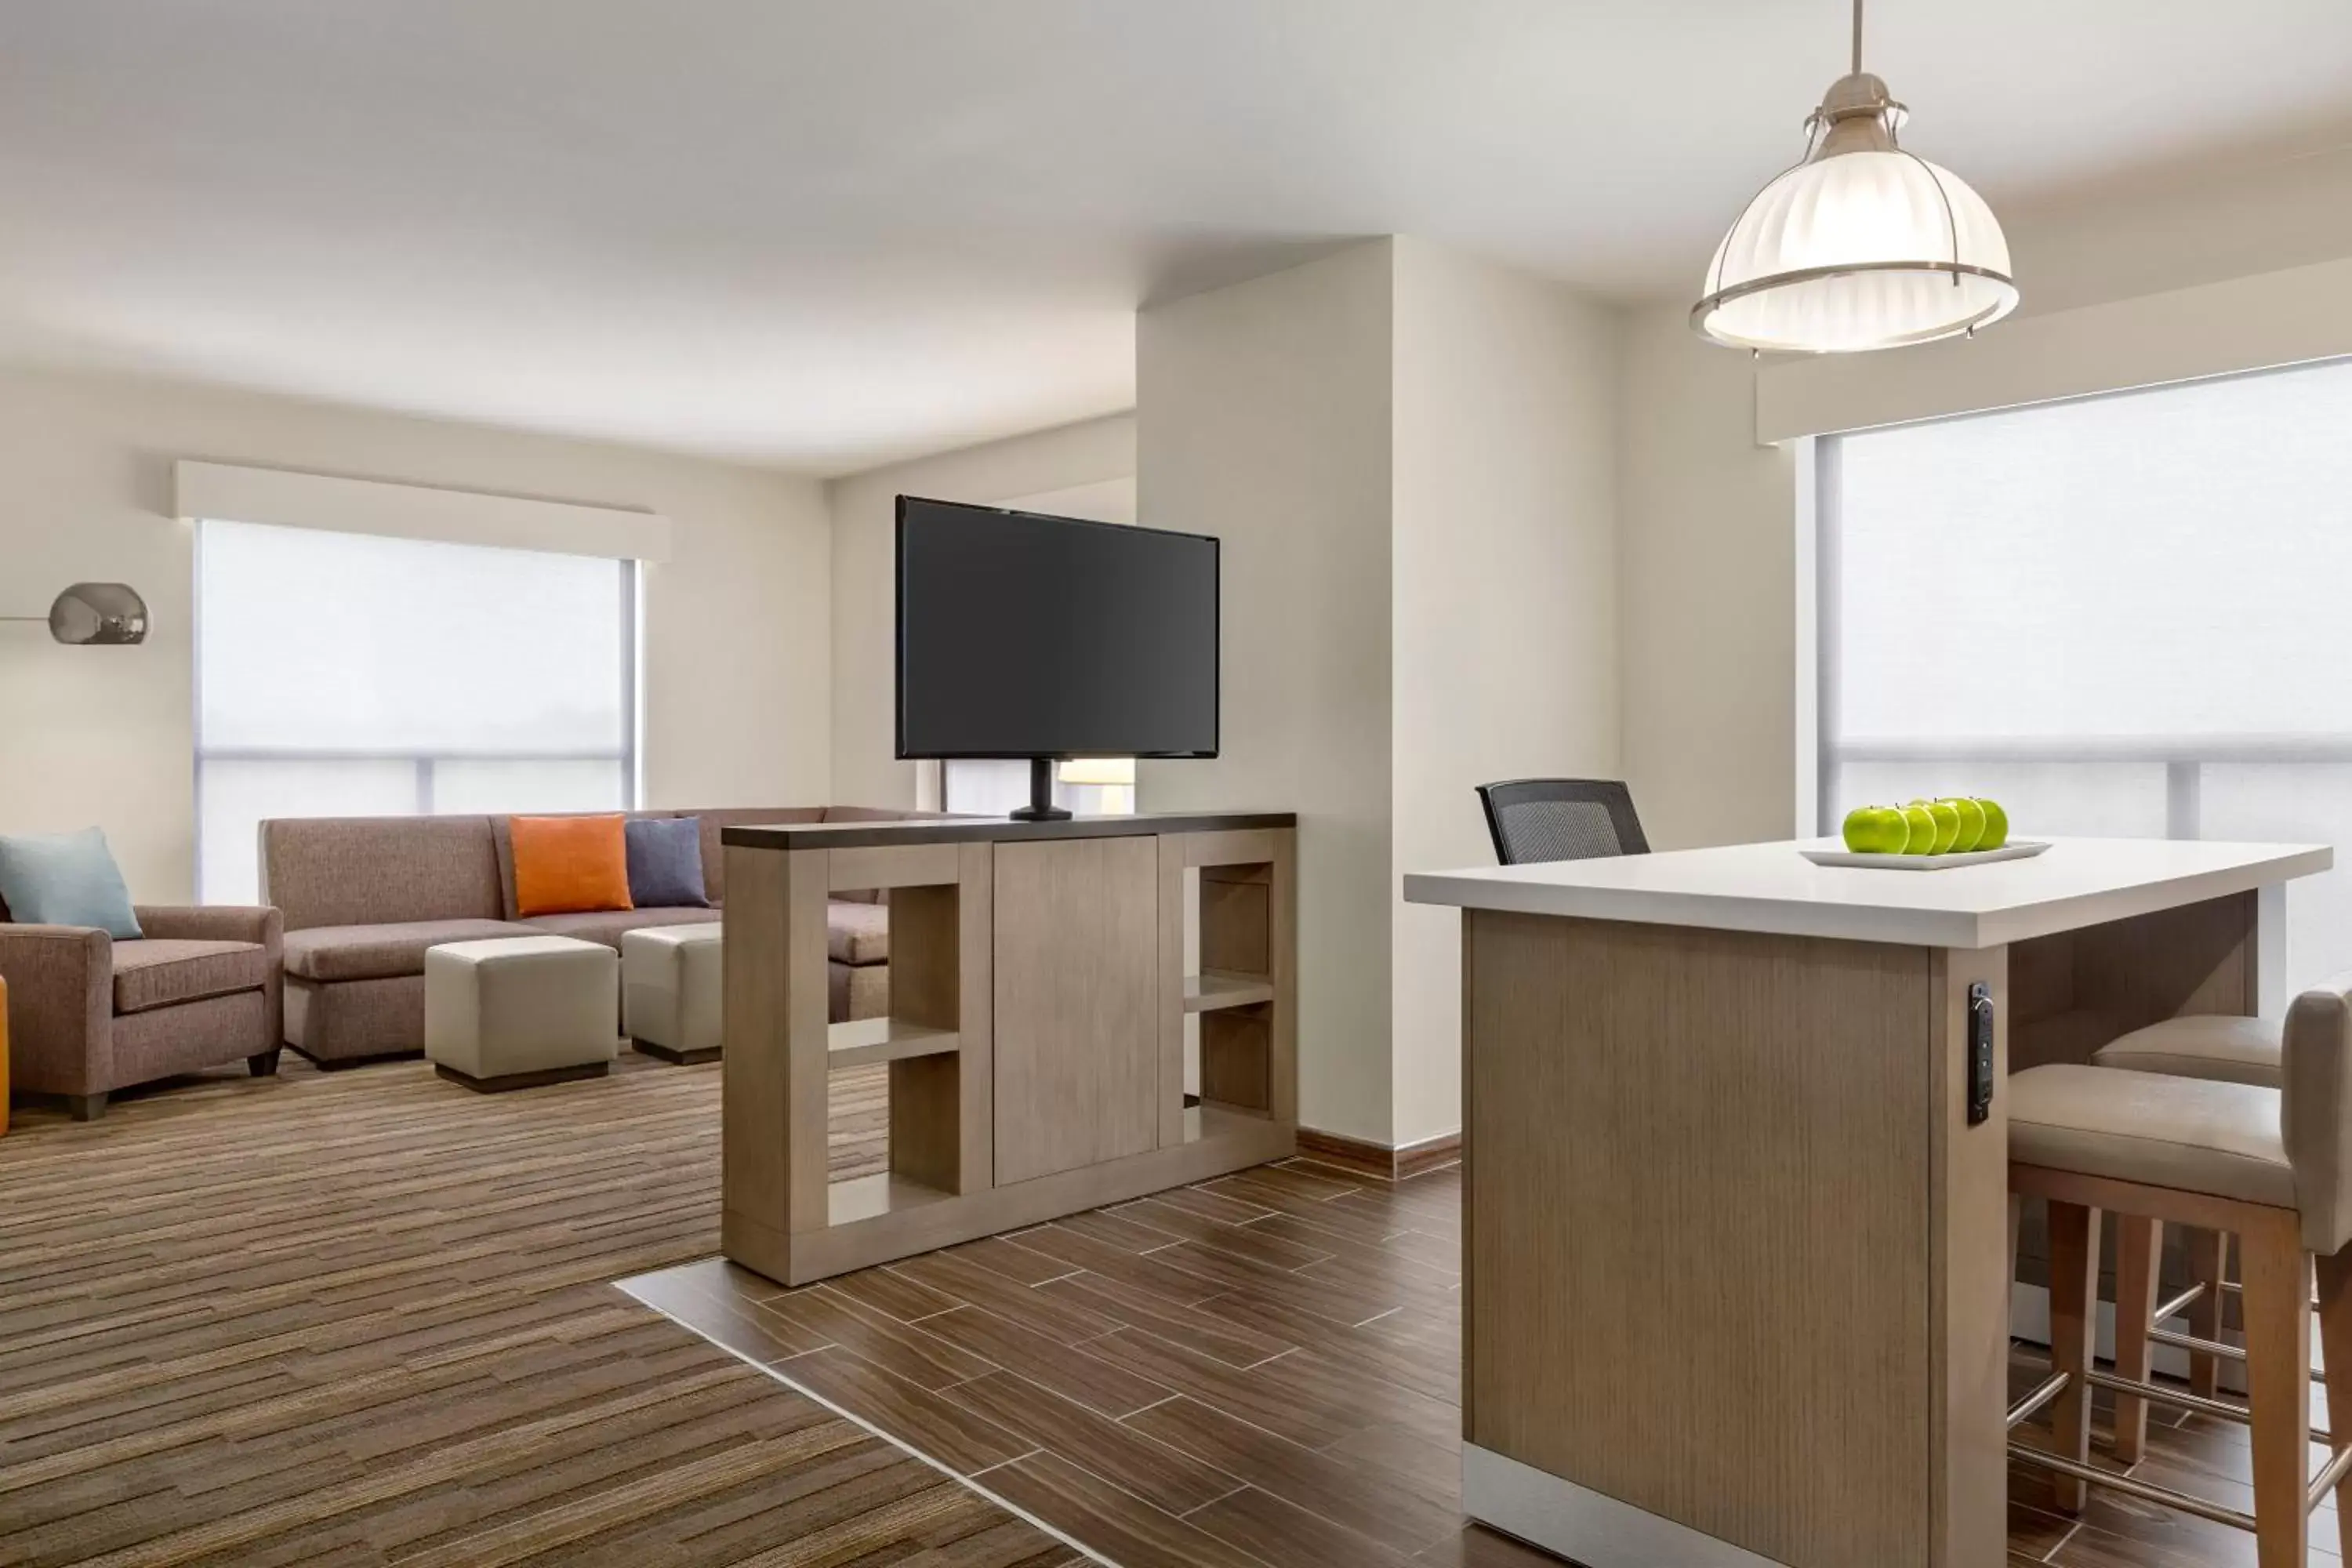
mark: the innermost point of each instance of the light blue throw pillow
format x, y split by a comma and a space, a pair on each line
64, 880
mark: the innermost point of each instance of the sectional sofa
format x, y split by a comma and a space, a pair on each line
363, 897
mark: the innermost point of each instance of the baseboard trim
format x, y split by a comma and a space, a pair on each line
1359, 1158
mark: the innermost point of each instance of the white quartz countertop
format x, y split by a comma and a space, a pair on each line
1772, 887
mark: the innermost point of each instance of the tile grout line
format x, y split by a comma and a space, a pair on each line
1238, 1489
775, 1376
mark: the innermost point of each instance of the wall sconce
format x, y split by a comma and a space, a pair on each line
96, 615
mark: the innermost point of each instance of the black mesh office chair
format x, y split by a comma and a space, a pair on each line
1561, 819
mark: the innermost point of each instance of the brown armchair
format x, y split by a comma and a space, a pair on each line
88, 1015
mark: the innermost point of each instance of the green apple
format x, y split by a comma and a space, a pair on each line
1972, 824
1924, 831
1876, 830
1946, 818
1996, 832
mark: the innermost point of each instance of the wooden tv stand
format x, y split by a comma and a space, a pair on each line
1035, 1038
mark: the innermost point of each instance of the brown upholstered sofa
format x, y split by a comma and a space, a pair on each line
88, 1015
363, 897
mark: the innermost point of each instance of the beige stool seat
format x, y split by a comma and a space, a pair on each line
2159, 1132
2208, 1046
512, 1012
673, 991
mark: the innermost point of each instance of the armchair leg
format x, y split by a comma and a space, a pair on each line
86, 1106
265, 1064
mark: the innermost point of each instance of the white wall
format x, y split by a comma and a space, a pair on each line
1079, 470
736, 657
1264, 417
1504, 633
1708, 581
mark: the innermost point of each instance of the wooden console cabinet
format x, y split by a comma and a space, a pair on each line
1039, 988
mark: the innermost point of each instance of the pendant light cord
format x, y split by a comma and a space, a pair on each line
1857, 38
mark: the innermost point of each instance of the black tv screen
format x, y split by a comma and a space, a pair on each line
1024, 636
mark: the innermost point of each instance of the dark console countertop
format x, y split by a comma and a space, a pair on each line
971, 829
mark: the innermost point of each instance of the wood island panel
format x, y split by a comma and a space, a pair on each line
1699, 1280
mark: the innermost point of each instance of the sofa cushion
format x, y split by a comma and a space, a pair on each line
565, 865
66, 879
162, 972
376, 870
606, 925
665, 862
857, 934
381, 951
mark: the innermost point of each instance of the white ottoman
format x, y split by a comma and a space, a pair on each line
671, 994
512, 1012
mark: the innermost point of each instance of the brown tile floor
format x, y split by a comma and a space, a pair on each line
1260, 1371
366, 1318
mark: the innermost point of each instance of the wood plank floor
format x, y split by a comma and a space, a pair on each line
1260, 1371
364, 1318
367, 1318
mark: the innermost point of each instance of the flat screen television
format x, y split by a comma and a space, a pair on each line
1022, 636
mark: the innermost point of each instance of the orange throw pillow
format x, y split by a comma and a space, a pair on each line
569, 864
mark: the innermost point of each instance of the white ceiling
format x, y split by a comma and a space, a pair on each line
826, 235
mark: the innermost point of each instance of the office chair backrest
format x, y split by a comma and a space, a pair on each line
1561, 819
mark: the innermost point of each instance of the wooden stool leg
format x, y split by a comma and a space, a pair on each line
2138, 1243
2073, 1325
2209, 1257
2278, 1304
2335, 1350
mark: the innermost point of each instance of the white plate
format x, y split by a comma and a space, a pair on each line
2016, 851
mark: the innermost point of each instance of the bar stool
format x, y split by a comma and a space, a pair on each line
2227, 1048
2273, 1167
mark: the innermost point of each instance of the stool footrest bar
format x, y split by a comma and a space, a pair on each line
2025, 1408
2178, 1304
2191, 1343
2211, 1347
2236, 1289
2181, 1399
2114, 1482
2329, 1475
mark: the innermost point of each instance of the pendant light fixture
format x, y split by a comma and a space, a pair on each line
1861, 244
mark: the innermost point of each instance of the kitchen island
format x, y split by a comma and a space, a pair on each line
1735, 1175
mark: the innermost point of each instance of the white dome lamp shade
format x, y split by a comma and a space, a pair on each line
1861, 245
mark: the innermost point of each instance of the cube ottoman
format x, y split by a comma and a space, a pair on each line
513, 1012
672, 993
